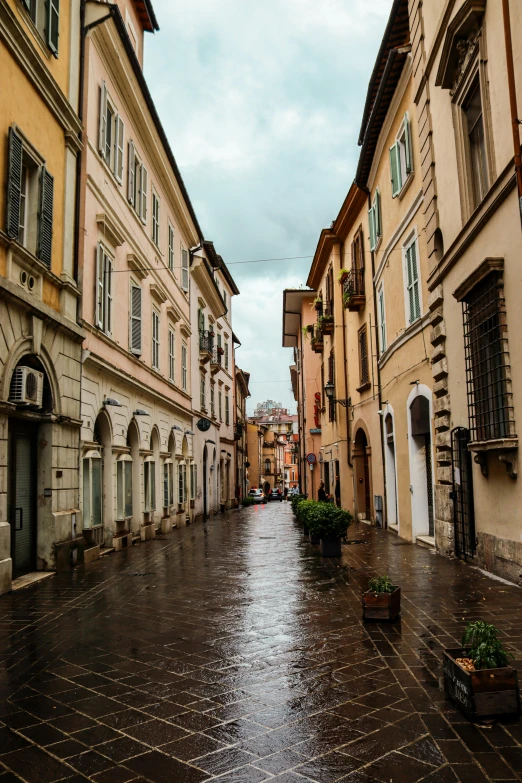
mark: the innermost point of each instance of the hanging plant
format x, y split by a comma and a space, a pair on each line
343, 274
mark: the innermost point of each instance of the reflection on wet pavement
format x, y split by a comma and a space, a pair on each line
232, 651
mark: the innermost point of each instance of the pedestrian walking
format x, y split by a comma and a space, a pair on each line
337, 492
285, 493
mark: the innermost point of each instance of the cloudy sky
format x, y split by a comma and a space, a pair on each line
262, 103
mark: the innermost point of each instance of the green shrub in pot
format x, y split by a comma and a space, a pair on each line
328, 522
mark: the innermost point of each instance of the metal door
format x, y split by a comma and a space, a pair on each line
23, 513
462, 495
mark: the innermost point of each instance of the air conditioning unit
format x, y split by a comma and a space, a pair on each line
27, 387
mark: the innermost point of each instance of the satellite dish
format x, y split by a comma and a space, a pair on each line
203, 425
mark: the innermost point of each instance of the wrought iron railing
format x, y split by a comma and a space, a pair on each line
206, 341
354, 283
217, 357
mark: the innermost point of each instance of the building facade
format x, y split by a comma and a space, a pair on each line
241, 394
41, 341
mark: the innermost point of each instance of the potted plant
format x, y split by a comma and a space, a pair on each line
329, 523
305, 508
317, 304
478, 677
247, 501
382, 600
221, 350
326, 324
347, 295
343, 274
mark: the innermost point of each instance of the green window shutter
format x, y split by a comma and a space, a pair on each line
45, 218
14, 184
131, 174
395, 169
53, 25
377, 210
383, 323
27, 4
371, 221
407, 144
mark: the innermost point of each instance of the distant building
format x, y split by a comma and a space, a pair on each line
269, 407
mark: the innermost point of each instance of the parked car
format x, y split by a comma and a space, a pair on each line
257, 495
276, 494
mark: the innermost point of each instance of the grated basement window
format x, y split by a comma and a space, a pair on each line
487, 362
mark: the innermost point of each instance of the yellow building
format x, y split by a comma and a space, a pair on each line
40, 343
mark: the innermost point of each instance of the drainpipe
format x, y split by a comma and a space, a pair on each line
346, 377
515, 122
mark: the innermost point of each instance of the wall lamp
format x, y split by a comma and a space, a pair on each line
330, 391
177, 427
140, 412
189, 432
112, 401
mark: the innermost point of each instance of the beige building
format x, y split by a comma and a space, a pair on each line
467, 118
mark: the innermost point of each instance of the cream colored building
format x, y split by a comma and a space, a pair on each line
472, 226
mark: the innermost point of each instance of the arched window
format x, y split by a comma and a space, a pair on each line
168, 483
124, 486
149, 484
267, 466
92, 489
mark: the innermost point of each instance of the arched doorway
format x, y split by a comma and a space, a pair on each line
421, 466
133, 443
391, 469
362, 476
99, 492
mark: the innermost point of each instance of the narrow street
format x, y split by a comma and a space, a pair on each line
232, 651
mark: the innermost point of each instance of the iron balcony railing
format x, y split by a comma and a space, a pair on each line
206, 341
328, 309
354, 283
217, 357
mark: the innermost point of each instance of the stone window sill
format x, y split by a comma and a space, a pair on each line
506, 450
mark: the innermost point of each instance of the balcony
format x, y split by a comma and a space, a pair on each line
354, 298
216, 361
206, 346
317, 340
325, 320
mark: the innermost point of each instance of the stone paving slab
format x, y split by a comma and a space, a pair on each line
233, 652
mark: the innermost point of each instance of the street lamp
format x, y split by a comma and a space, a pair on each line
330, 391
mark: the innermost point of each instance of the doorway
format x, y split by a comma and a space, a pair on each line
421, 473
362, 476
23, 497
391, 470
205, 483
462, 494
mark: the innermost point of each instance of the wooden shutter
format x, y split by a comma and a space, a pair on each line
377, 213
135, 319
108, 294
45, 218
131, 174
413, 282
407, 144
99, 294
14, 184
102, 133
184, 270
395, 169
144, 193
118, 147
371, 221
53, 25
363, 356
381, 316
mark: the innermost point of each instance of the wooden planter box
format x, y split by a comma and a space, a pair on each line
313, 538
327, 327
381, 606
485, 692
330, 547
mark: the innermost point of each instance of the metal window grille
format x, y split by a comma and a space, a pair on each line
487, 362
363, 356
331, 379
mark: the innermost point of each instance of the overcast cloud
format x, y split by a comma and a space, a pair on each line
262, 103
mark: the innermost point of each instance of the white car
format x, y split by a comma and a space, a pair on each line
257, 495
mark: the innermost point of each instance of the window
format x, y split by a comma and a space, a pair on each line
364, 369
487, 361
172, 355
155, 339
224, 296
193, 480
202, 398
137, 184
92, 490
331, 379
413, 294
45, 15
212, 402
155, 218
220, 405
171, 249
149, 484
168, 483
184, 367
30, 199
268, 466
124, 487
382, 321
104, 265
184, 270
476, 143
375, 221
227, 410
401, 160
226, 355
182, 483
135, 319
111, 134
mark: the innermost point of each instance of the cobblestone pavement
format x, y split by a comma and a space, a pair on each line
232, 651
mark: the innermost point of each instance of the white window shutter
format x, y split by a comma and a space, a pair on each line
395, 169
131, 174
135, 320
382, 320
108, 295
373, 238
98, 314
102, 134
118, 147
377, 213
407, 144
184, 270
144, 193
415, 280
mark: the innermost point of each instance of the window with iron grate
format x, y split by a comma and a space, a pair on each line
490, 409
331, 379
363, 357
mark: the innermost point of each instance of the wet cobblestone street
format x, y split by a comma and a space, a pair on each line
232, 651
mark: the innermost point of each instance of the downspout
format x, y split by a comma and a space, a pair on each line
379, 393
515, 122
346, 379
